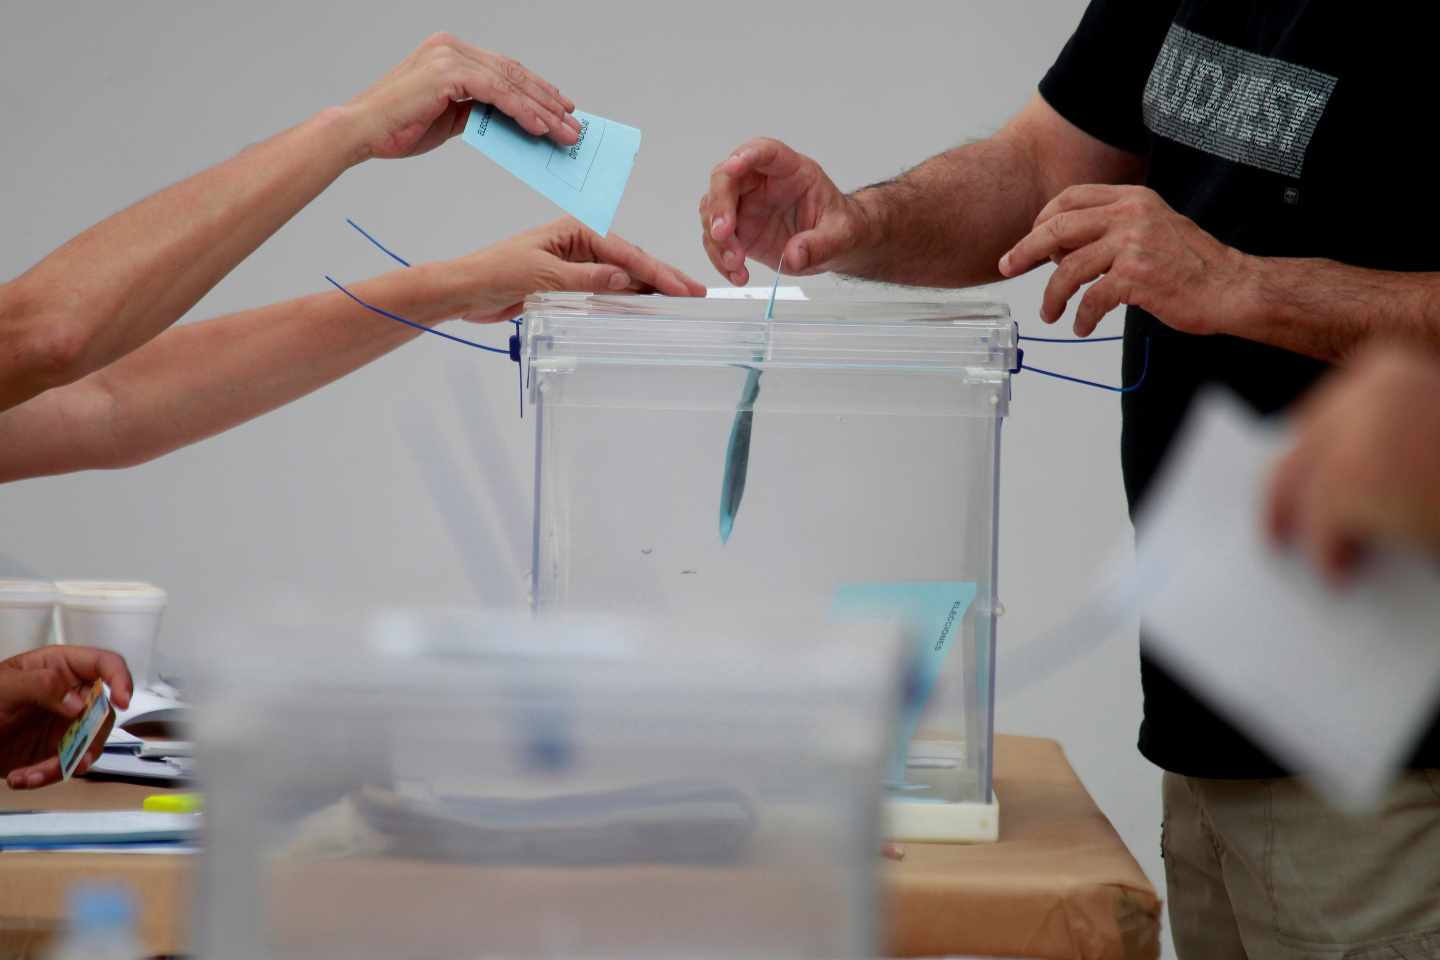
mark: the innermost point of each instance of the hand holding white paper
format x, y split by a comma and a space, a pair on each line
1337, 683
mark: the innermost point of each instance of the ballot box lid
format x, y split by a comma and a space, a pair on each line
961, 337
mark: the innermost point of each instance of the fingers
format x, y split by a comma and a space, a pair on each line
645, 269
591, 278
1104, 295
97, 747
810, 252
1075, 270
47, 687
33, 777
1324, 527
719, 211
544, 97
726, 256
1282, 500
468, 73
542, 89
757, 156
488, 86
89, 664
1083, 196
1056, 235
743, 172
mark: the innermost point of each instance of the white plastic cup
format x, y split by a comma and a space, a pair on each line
27, 608
114, 615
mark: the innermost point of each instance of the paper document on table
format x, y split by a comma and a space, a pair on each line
1337, 683
74, 828
586, 179
128, 766
149, 706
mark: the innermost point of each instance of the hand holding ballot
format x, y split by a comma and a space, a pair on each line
41, 696
424, 101
1365, 467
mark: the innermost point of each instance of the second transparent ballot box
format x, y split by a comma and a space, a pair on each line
433, 783
696, 459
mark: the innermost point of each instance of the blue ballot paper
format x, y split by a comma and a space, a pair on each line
586, 180
932, 612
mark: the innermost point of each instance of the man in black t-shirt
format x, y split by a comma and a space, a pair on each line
1245, 178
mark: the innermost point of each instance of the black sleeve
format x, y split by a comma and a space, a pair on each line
1098, 81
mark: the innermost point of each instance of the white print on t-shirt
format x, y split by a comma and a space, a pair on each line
1234, 104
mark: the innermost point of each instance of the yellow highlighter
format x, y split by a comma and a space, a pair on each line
174, 803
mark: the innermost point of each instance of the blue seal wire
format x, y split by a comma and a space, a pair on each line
1065, 339
1130, 388
386, 250
411, 323
512, 350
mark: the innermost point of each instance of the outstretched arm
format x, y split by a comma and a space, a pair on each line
118, 284
944, 223
202, 378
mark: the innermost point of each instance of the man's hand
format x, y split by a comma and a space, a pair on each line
41, 695
491, 286
766, 200
1144, 253
1365, 468
424, 101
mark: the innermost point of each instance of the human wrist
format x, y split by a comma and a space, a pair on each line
1253, 295
436, 290
421, 294
867, 214
345, 127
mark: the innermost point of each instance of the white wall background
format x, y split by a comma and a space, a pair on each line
104, 103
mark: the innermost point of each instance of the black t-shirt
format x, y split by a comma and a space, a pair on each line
1289, 128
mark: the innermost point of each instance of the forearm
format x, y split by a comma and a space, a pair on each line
121, 282
946, 222
1326, 309
203, 378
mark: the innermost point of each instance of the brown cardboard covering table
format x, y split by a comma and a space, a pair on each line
1059, 883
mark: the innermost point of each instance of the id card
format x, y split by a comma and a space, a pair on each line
82, 733
586, 179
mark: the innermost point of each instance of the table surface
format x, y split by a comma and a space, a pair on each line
1059, 883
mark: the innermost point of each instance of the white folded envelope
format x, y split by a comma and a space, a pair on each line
1337, 683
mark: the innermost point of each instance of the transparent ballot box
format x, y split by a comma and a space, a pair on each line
841, 459
450, 784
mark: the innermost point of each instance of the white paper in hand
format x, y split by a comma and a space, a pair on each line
1337, 683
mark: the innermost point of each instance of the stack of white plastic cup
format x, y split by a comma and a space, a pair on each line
27, 608
114, 615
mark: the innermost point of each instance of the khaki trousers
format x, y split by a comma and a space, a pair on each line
1264, 869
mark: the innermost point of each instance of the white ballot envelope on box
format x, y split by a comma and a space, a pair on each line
1338, 683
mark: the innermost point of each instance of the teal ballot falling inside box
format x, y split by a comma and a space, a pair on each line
869, 465
586, 179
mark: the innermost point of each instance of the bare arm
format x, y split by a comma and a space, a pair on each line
1327, 310
199, 379
1141, 252
944, 223
120, 283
